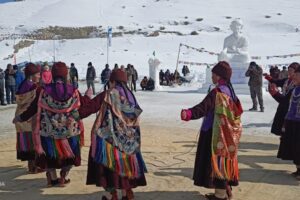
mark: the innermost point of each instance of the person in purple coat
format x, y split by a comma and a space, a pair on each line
290, 138
216, 164
25, 95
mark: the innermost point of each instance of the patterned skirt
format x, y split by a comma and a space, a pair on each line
25, 147
289, 148
102, 176
203, 169
59, 153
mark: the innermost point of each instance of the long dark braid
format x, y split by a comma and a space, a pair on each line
232, 92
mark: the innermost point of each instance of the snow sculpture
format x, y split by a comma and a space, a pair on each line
154, 72
235, 51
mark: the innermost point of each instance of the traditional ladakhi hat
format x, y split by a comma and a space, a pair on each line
59, 69
294, 65
31, 69
223, 70
118, 75
297, 70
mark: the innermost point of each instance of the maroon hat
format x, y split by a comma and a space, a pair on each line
31, 69
297, 70
118, 75
294, 65
223, 70
59, 69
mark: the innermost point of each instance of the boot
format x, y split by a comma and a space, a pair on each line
51, 182
31, 167
114, 196
229, 192
129, 195
213, 197
253, 109
63, 180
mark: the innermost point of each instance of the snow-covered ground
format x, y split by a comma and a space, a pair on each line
163, 109
271, 27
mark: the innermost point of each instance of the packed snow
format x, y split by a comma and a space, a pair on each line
272, 28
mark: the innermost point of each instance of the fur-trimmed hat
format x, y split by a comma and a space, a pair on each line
223, 70
59, 69
118, 75
31, 69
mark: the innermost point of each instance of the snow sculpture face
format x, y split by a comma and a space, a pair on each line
236, 27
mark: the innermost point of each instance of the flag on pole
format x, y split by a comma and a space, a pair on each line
109, 35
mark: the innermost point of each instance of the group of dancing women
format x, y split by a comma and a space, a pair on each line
50, 131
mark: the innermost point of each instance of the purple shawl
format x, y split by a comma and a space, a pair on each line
56, 91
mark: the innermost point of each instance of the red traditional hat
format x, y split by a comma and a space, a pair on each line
59, 69
294, 65
223, 70
31, 69
118, 75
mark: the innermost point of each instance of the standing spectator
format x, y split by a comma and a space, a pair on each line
123, 68
274, 72
135, 77
105, 74
167, 76
116, 67
74, 75
185, 70
46, 75
90, 76
2, 75
255, 83
19, 76
144, 83
161, 77
10, 84
176, 76
130, 73
283, 74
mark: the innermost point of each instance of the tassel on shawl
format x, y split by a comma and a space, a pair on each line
61, 148
131, 166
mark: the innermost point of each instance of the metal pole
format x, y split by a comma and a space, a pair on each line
53, 50
177, 60
107, 48
29, 54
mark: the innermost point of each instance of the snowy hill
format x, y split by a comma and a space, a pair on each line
271, 27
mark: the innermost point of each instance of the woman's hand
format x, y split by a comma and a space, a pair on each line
267, 76
39, 150
16, 119
273, 89
183, 114
186, 115
89, 92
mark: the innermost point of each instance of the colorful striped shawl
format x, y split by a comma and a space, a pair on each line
116, 136
227, 129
